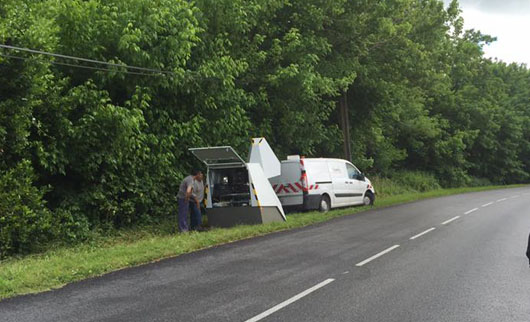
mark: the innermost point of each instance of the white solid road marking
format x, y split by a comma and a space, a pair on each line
501, 199
366, 261
488, 204
421, 234
470, 211
516, 196
452, 219
289, 301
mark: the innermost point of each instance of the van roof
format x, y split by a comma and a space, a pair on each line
315, 159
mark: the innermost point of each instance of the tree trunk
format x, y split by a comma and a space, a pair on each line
345, 126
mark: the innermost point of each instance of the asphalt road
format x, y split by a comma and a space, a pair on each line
458, 258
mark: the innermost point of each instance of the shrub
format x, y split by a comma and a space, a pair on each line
69, 225
417, 180
387, 187
405, 181
479, 182
25, 222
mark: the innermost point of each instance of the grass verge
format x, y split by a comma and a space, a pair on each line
55, 268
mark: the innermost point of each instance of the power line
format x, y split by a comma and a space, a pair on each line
33, 51
104, 69
84, 67
14, 57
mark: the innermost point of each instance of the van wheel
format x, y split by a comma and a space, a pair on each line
325, 204
368, 199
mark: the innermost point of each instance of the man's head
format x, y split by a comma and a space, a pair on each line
197, 174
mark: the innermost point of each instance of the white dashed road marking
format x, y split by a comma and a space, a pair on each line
423, 233
290, 301
366, 261
450, 220
470, 211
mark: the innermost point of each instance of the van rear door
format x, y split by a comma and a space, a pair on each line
318, 179
288, 186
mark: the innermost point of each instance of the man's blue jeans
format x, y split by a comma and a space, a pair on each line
196, 217
184, 210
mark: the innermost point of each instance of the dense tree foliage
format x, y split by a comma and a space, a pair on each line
85, 145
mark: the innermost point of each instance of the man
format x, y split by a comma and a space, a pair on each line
528, 249
185, 199
195, 206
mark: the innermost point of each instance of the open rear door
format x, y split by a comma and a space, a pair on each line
264, 193
262, 154
218, 157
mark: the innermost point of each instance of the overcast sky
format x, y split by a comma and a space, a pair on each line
508, 20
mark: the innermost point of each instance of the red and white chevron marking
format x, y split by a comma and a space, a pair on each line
292, 188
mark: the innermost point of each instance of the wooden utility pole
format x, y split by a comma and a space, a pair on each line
345, 125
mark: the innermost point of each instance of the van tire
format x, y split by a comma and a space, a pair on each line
368, 199
325, 204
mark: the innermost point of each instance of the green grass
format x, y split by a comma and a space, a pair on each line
55, 268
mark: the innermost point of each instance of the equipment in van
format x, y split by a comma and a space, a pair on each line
239, 192
319, 183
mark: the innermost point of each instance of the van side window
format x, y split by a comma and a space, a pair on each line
352, 172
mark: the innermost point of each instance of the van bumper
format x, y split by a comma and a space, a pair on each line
311, 202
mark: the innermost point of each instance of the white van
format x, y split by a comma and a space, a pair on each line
321, 184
